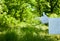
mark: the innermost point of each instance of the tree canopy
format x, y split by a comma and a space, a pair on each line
17, 20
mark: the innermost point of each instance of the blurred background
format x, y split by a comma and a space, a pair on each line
18, 23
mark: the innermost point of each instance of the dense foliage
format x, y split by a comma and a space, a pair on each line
18, 23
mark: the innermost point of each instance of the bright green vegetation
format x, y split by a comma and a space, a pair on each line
17, 21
